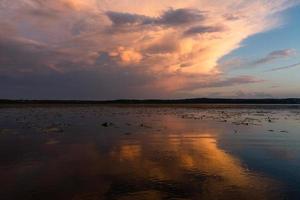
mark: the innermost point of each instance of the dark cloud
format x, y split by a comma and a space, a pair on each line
171, 17
46, 13
20, 54
31, 70
118, 18
202, 29
93, 84
175, 17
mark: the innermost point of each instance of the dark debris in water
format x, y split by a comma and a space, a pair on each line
107, 124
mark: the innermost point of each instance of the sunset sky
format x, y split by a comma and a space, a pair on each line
111, 49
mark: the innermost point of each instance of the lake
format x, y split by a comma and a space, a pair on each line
149, 152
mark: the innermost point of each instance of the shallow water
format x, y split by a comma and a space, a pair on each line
106, 152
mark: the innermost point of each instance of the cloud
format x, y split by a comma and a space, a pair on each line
224, 82
284, 67
235, 81
202, 29
19, 54
182, 16
127, 56
170, 17
274, 55
238, 63
163, 47
119, 19
106, 83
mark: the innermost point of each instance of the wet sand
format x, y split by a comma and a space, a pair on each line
150, 152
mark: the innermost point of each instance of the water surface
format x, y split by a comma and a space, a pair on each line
140, 152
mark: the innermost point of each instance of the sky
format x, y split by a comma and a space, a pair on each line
138, 49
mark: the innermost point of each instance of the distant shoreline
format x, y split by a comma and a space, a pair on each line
287, 101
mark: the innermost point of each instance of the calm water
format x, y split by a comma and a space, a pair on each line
149, 153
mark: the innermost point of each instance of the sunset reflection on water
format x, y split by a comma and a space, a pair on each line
191, 162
